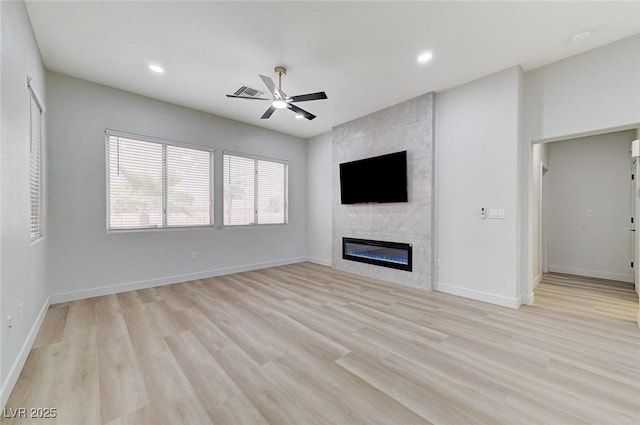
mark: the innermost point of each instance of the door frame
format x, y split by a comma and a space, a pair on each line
543, 248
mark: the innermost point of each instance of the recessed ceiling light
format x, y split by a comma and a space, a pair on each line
279, 104
156, 68
299, 116
581, 35
425, 57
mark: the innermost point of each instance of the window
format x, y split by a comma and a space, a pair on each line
35, 167
255, 190
153, 184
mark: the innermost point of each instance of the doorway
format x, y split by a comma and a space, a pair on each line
582, 210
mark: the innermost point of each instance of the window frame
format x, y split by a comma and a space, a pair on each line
33, 97
164, 143
257, 158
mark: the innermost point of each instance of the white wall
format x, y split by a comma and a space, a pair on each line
319, 199
591, 174
477, 139
596, 90
22, 273
84, 260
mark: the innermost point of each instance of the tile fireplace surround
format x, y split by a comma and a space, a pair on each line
406, 126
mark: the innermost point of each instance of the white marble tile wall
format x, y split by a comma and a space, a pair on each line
406, 126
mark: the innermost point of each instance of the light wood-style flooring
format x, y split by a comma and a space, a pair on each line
305, 344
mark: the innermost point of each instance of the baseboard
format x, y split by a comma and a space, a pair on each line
478, 295
592, 273
142, 284
14, 372
320, 261
537, 280
529, 298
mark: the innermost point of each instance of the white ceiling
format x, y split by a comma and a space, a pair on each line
363, 54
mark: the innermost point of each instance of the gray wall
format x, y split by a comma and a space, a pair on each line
590, 206
85, 260
22, 263
319, 199
406, 126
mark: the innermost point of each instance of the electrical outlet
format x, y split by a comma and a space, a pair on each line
194, 255
437, 262
21, 309
9, 322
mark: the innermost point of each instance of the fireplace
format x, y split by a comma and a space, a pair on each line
387, 254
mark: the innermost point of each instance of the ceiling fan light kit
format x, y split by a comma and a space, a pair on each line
279, 104
280, 100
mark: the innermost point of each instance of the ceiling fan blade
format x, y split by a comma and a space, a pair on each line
270, 85
267, 113
307, 115
247, 97
311, 96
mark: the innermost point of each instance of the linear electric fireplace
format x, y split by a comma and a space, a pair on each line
387, 254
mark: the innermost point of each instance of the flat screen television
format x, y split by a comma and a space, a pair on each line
381, 179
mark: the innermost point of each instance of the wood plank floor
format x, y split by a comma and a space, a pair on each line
305, 344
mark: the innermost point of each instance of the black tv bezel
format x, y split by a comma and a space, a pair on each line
405, 199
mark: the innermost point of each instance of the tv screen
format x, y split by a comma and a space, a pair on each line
380, 179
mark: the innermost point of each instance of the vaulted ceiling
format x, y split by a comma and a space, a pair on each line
362, 54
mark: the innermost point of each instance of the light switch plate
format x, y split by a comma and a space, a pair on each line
496, 213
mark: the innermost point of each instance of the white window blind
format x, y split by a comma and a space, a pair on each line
255, 191
271, 192
157, 185
188, 187
35, 168
239, 188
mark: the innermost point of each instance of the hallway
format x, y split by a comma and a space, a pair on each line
584, 299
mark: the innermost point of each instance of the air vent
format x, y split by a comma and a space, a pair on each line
248, 92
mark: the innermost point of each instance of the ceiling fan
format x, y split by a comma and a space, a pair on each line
280, 99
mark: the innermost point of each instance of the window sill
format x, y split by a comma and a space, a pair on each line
159, 229
189, 228
245, 226
35, 242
